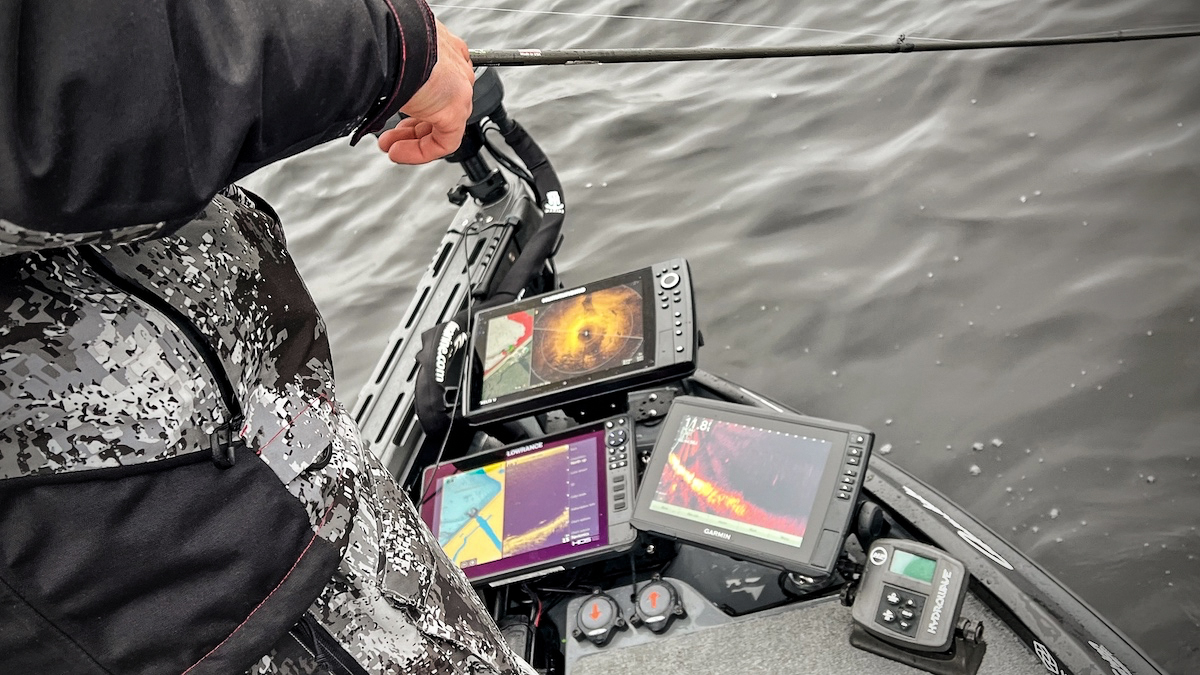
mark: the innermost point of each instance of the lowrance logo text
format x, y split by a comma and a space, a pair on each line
717, 533
939, 603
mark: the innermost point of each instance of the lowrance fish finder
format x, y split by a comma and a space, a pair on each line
540, 506
551, 350
771, 487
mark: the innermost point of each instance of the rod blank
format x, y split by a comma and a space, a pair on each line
569, 57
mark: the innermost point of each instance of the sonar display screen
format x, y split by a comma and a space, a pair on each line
565, 339
740, 478
535, 504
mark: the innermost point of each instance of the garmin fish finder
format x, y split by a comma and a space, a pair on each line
536, 507
770, 487
551, 350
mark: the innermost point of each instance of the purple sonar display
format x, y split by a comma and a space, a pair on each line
534, 503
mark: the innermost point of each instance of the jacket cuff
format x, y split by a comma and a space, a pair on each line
414, 56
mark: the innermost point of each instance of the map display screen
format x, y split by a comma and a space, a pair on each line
520, 506
572, 337
739, 478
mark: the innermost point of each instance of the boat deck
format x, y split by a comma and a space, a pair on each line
811, 637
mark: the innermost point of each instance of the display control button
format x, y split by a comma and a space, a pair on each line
678, 324
679, 348
844, 496
853, 461
608, 424
856, 452
851, 472
666, 306
619, 478
621, 421
888, 615
678, 314
617, 437
597, 614
678, 332
893, 599
669, 280
675, 266
860, 439
619, 505
847, 480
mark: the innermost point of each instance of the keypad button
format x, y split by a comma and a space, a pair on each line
893, 599
853, 461
888, 615
905, 614
844, 496
855, 452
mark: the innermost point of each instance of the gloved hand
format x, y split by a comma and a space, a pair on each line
438, 112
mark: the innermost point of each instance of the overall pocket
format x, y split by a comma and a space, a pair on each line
168, 567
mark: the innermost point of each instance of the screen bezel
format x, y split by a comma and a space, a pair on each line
478, 348
797, 558
558, 553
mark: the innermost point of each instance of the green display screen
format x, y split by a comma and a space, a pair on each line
913, 566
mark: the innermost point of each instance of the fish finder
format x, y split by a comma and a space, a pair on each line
770, 487
551, 350
537, 507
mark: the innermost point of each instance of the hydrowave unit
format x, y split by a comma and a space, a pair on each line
620, 509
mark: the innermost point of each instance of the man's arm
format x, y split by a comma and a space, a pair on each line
124, 112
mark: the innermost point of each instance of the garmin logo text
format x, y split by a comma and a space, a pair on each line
939, 602
717, 533
452, 338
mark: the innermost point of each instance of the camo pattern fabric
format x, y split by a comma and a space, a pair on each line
397, 604
93, 376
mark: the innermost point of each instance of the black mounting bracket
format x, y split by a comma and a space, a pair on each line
964, 657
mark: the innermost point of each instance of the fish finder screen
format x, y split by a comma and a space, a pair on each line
534, 504
740, 478
563, 339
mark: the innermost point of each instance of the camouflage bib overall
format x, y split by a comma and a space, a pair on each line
178, 482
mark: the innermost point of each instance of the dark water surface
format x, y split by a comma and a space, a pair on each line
947, 248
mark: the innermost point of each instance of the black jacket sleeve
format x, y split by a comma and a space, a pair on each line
121, 112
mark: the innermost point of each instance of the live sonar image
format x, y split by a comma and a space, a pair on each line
566, 339
740, 478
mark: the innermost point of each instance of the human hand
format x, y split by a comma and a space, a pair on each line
438, 112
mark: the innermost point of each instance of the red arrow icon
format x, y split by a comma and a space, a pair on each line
595, 611
653, 599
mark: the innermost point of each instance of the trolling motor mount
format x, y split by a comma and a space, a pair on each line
482, 182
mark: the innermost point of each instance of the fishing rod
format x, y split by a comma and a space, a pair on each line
571, 57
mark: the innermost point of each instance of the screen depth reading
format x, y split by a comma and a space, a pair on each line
536, 504
913, 566
744, 479
565, 339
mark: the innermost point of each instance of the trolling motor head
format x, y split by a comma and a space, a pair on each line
481, 182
